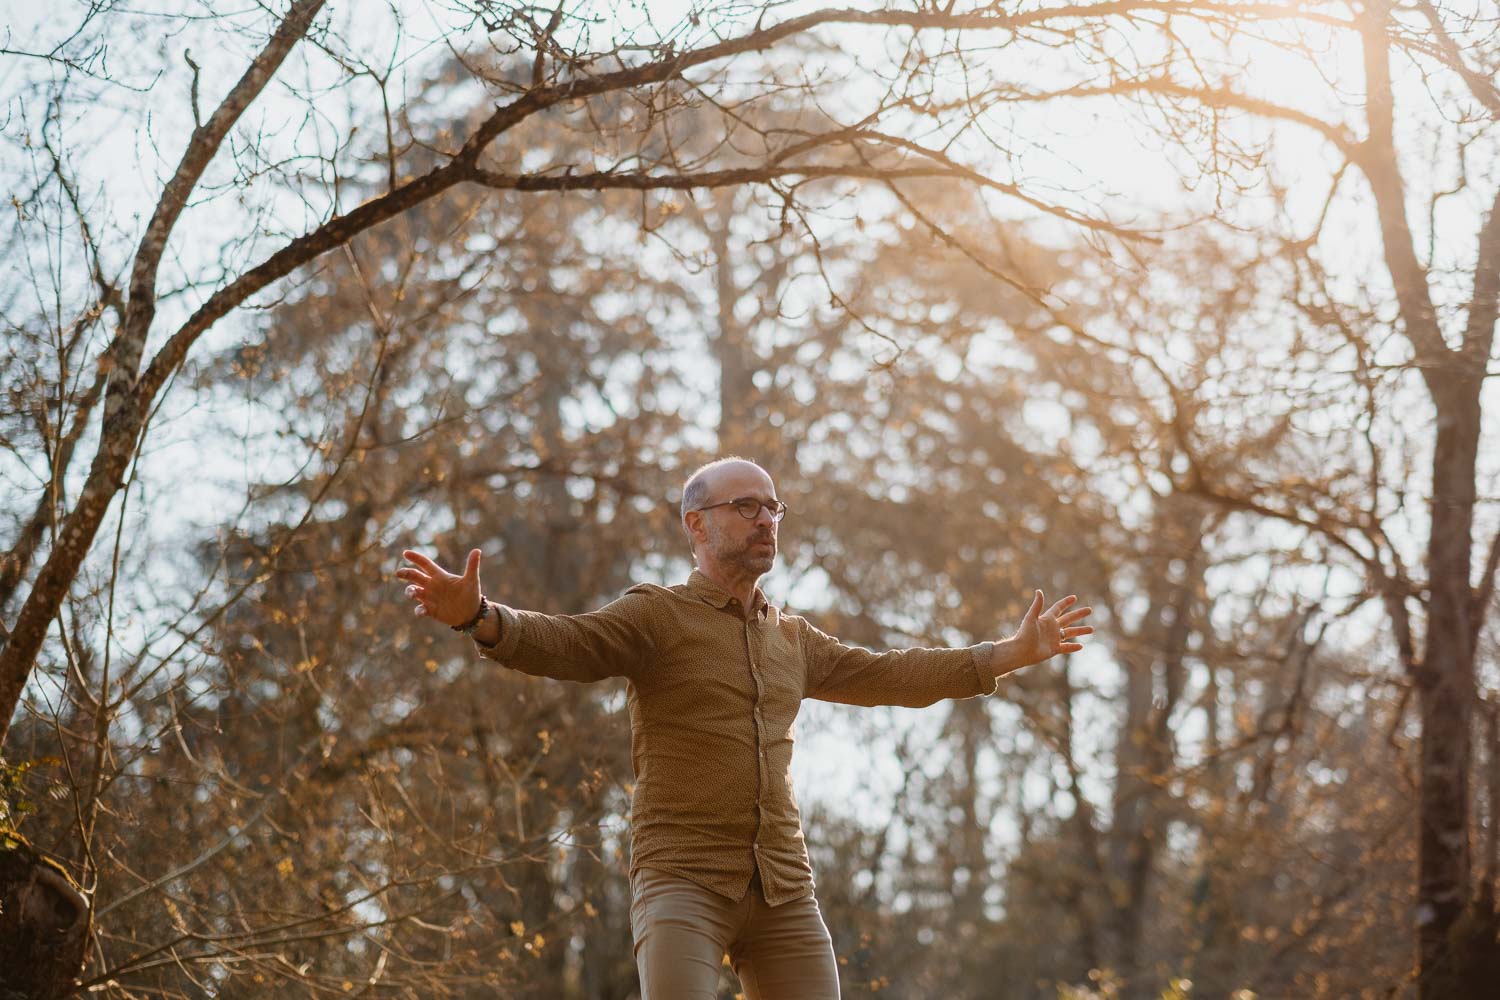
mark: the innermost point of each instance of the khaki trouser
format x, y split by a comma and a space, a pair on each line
683, 930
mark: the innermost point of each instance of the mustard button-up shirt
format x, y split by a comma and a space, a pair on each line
713, 694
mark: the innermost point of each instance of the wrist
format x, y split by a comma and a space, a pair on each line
1006, 657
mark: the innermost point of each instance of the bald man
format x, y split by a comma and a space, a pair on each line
715, 675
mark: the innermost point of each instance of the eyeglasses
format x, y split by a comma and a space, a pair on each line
749, 508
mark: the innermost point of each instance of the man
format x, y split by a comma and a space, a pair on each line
716, 676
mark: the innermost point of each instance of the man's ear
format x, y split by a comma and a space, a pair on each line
687, 529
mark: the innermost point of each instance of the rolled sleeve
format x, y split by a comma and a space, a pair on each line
984, 652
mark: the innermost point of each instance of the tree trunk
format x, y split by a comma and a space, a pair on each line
1445, 688
44, 924
1143, 754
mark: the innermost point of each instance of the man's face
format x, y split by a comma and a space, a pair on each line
734, 541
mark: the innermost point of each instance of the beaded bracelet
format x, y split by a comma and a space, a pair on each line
473, 623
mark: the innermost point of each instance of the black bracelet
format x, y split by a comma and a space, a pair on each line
473, 623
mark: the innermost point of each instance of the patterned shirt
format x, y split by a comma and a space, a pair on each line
713, 696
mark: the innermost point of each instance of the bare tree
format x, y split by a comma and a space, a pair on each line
1426, 84
1450, 352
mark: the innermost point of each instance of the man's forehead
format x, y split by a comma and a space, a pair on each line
741, 479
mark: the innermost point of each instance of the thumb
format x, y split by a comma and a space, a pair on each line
1036, 606
471, 568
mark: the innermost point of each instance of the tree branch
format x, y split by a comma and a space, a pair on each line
1210, 97
201, 149
17, 562
1378, 161
1484, 301
1482, 88
125, 407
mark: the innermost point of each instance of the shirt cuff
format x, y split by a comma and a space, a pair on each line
983, 653
510, 636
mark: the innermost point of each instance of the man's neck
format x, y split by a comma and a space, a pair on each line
737, 584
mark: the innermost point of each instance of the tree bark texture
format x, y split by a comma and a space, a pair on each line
1445, 689
44, 924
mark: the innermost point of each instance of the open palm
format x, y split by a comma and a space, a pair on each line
1044, 634
446, 597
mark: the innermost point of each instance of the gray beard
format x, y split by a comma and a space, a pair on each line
756, 564
747, 560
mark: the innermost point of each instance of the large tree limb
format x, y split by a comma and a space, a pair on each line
1377, 159
204, 144
1221, 98
125, 406
663, 69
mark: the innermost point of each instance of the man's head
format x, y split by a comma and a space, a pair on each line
720, 535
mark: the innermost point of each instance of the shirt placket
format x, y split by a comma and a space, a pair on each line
757, 718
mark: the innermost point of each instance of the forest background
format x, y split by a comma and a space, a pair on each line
1187, 307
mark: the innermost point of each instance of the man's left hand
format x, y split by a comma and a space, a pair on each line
1042, 635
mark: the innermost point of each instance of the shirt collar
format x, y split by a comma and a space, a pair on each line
701, 587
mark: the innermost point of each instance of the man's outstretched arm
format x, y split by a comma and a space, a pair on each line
919, 677
610, 642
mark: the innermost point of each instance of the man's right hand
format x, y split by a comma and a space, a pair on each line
438, 594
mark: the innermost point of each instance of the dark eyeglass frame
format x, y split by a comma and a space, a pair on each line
753, 505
